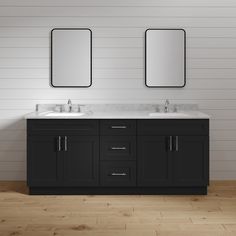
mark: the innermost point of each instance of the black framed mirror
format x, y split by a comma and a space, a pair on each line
71, 57
165, 58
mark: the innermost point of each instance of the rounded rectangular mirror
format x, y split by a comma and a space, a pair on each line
71, 57
165, 60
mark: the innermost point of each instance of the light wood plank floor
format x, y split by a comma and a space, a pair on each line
21, 214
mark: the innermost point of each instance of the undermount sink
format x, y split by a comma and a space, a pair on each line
61, 114
169, 114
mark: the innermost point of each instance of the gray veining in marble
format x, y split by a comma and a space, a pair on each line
119, 111
123, 107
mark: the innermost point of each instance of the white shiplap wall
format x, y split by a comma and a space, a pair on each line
118, 65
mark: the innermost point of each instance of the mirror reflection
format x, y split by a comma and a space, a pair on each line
71, 57
165, 58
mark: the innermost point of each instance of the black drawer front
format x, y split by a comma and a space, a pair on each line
118, 148
173, 127
118, 173
60, 127
118, 127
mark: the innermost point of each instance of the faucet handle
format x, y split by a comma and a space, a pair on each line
79, 107
58, 108
76, 107
37, 107
167, 102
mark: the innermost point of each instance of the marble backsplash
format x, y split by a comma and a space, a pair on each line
120, 107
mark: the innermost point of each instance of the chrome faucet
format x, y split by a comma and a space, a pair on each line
166, 107
37, 107
70, 105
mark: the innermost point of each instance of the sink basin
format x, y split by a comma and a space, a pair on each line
62, 114
169, 114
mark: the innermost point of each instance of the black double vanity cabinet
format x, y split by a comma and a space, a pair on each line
118, 156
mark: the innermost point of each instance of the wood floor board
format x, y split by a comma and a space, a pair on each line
118, 215
230, 227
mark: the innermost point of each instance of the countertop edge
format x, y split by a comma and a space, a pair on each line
130, 115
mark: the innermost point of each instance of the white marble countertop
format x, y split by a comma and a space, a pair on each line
193, 114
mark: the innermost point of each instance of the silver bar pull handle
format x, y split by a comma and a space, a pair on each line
59, 143
177, 143
118, 174
118, 148
118, 126
65, 144
170, 144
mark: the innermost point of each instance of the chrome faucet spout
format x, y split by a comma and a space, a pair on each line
70, 105
166, 107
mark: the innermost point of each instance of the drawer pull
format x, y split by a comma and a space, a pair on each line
118, 174
59, 144
118, 126
118, 148
171, 143
176, 143
65, 148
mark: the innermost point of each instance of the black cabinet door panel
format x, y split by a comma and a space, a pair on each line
154, 167
81, 161
44, 162
190, 161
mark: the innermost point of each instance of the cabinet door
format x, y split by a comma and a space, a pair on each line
153, 161
81, 160
45, 162
190, 160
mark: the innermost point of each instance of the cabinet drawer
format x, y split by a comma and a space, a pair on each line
118, 173
118, 127
60, 127
173, 127
118, 148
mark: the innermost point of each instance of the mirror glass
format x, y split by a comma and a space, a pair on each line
71, 57
165, 58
